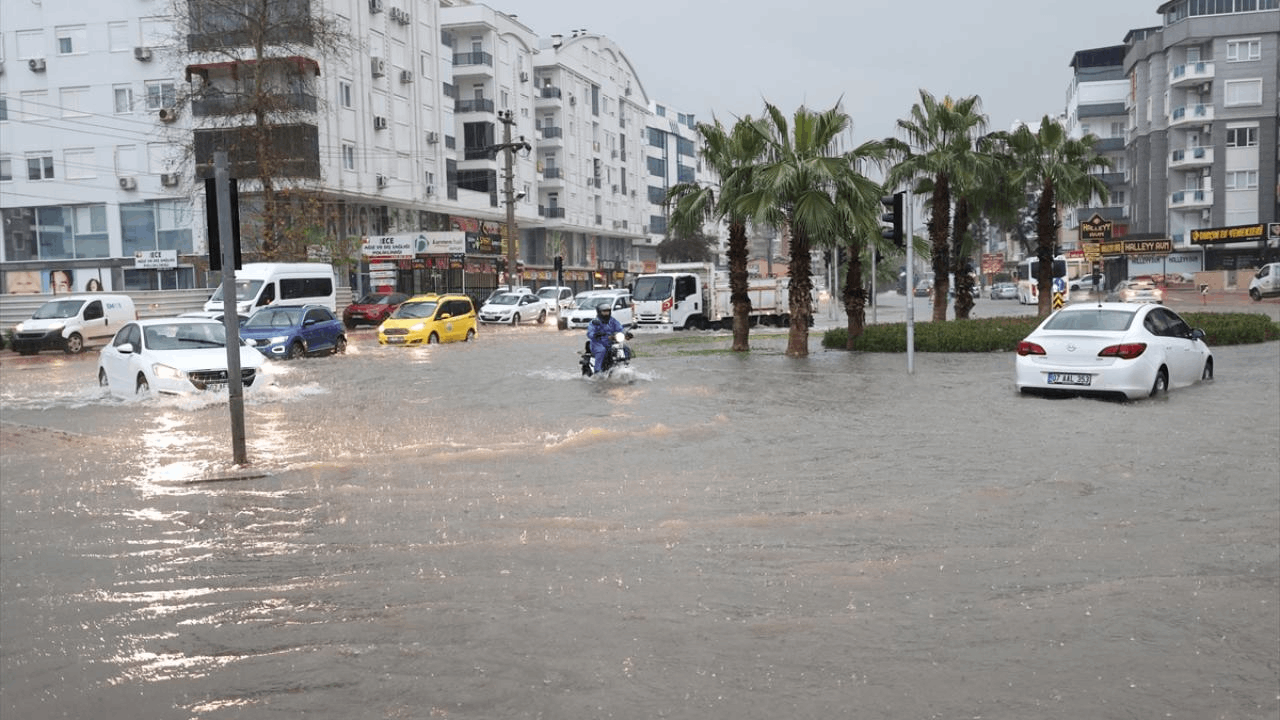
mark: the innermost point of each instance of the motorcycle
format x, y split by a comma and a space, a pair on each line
617, 357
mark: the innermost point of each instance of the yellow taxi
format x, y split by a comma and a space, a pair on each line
430, 319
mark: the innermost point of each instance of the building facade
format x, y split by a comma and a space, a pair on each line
1096, 106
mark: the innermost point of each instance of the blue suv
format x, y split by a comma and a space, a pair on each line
288, 332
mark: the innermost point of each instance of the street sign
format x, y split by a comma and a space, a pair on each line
155, 259
1095, 229
1092, 251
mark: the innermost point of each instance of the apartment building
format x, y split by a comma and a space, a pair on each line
382, 116
1202, 123
1096, 106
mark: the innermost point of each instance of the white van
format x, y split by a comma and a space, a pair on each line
1266, 282
70, 322
262, 284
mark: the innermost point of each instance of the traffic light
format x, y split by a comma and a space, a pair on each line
893, 203
559, 262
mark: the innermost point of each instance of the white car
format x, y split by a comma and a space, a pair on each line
584, 310
172, 355
513, 309
557, 297
1118, 349
1265, 282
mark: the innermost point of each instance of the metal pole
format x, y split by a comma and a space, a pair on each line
513, 240
908, 207
230, 309
873, 283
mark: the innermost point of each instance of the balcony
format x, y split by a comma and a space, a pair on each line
551, 131
551, 212
548, 95
1191, 200
1190, 74
1111, 144
1191, 115
295, 151
215, 103
472, 58
1190, 158
474, 105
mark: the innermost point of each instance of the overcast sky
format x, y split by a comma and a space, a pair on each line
726, 58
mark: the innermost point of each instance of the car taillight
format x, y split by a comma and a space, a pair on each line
1124, 351
1029, 348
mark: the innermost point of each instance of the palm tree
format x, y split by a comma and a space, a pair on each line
794, 187
1057, 167
939, 143
858, 202
730, 154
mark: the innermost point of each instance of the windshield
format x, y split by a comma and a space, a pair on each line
412, 310
507, 299
245, 290
1091, 319
184, 336
595, 302
58, 309
275, 318
376, 299
652, 288
549, 293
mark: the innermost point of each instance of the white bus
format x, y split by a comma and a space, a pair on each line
1028, 278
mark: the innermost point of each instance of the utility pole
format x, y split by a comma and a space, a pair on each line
509, 192
230, 311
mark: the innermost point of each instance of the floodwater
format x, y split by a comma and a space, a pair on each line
474, 531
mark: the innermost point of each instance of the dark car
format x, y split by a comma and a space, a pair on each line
290, 331
372, 309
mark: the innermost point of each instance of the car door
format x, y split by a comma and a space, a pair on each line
118, 365
529, 306
1180, 350
316, 330
622, 311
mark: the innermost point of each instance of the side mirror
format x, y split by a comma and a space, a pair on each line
1197, 334
125, 348
444, 316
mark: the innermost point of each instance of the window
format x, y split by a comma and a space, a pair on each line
74, 101
118, 37
1242, 137
657, 167
161, 94
4, 109
123, 99
30, 44
158, 31
344, 93
72, 39
1242, 180
6, 168
1242, 92
657, 138
348, 156
1244, 50
40, 166
126, 160
657, 224
657, 195
684, 146
35, 105
78, 163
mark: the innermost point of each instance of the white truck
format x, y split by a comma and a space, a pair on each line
696, 296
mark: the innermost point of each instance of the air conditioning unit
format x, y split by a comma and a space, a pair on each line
615, 189
378, 66
1205, 215
169, 179
128, 183
573, 100
406, 76
375, 6
431, 189
614, 153
1204, 88
524, 76
36, 64
379, 122
142, 53
381, 181
168, 114
627, 92
595, 146
400, 16
433, 137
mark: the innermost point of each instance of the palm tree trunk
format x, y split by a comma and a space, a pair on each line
855, 299
738, 297
939, 241
1046, 236
959, 256
799, 294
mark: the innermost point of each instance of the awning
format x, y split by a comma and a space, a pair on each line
303, 64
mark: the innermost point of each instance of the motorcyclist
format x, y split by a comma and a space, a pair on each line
600, 332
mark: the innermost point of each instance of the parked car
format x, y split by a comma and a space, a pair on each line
513, 309
1137, 291
430, 319
557, 297
1004, 291
1085, 283
1265, 282
1116, 349
585, 309
172, 356
372, 309
286, 332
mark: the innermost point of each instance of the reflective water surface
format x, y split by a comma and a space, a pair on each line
474, 531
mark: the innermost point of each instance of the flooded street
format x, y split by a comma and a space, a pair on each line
473, 531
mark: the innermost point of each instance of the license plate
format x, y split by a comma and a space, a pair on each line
216, 387
394, 340
1070, 378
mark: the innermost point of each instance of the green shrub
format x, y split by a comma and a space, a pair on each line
1003, 334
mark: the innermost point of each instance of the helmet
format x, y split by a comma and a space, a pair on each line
604, 311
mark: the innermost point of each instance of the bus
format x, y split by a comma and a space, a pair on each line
1028, 278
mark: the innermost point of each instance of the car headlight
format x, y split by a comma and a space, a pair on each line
278, 339
57, 326
417, 327
17, 328
165, 371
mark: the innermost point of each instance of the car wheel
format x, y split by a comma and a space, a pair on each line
434, 339
295, 349
1161, 385
1255, 294
515, 319
142, 386
1207, 372
75, 344
542, 316
471, 335
102, 377
340, 345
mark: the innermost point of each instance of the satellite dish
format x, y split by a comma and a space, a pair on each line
422, 244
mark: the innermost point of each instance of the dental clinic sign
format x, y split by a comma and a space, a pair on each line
405, 246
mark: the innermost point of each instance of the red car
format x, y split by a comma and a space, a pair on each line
372, 309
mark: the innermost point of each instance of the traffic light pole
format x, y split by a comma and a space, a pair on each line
909, 237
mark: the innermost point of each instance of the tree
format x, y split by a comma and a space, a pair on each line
730, 154
794, 186
1057, 167
938, 146
258, 101
858, 202
680, 246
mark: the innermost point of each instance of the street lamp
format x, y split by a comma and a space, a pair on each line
509, 191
